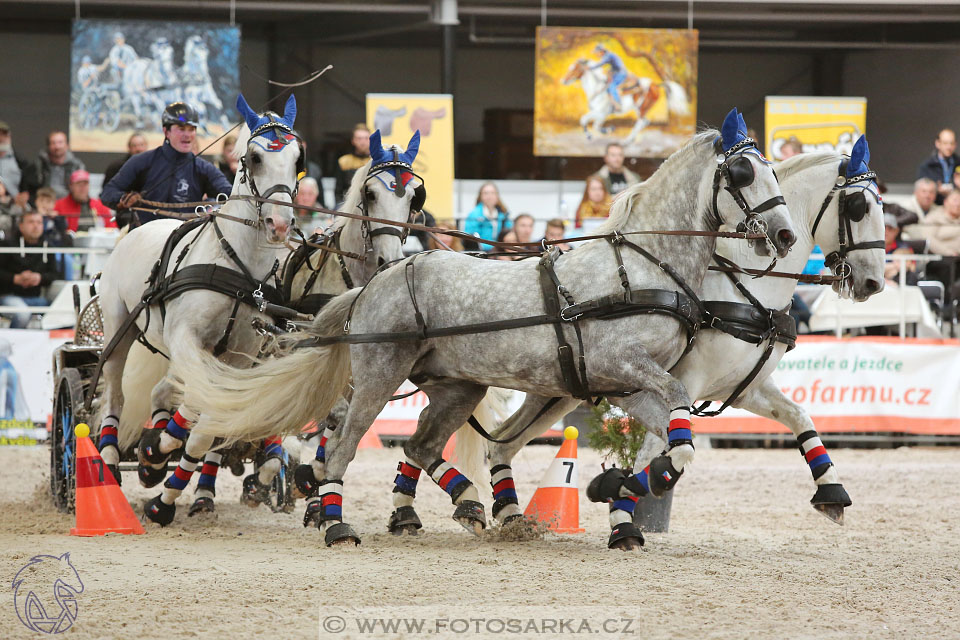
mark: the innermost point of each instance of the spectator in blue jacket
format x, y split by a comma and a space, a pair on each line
169, 173
490, 217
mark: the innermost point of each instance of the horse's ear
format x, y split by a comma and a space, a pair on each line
290, 111
859, 156
741, 124
412, 147
249, 116
728, 130
376, 147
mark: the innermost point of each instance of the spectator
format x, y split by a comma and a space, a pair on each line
420, 237
555, 230
921, 204
54, 225
595, 202
307, 195
893, 245
314, 171
136, 143
13, 168
451, 241
943, 227
790, 148
79, 209
940, 166
615, 176
226, 162
8, 208
23, 275
348, 164
523, 226
508, 235
169, 173
489, 218
55, 165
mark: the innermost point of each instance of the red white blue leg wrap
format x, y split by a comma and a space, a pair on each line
407, 478
813, 451
449, 479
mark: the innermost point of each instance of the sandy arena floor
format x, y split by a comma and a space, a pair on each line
746, 557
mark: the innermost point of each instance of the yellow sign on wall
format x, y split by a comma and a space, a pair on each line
820, 124
398, 116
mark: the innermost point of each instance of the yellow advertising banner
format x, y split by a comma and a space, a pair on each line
818, 124
592, 87
398, 116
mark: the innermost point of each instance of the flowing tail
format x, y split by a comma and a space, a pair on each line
142, 371
677, 102
471, 448
277, 396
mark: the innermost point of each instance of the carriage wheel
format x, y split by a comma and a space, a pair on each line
67, 404
111, 111
87, 111
281, 489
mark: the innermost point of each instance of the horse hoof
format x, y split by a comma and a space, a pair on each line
625, 537
404, 520
341, 534
115, 470
254, 493
158, 511
148, 451
203, 505
150, 476
832, 511
662, 475
606, 486
305, 481
470, 515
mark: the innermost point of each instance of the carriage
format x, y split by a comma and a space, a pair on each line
74, 364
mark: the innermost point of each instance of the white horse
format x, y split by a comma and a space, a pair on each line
438, 290
198, 318
719, 362
151, 82
638, 98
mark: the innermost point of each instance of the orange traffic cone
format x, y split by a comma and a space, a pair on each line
101, 506
556, 501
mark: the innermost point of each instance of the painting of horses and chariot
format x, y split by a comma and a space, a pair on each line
637, 87
125, 72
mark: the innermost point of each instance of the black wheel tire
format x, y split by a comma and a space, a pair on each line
67, 414
281, 489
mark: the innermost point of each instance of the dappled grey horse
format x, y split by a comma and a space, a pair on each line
420, 318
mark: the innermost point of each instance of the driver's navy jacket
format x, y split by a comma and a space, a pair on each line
165, 175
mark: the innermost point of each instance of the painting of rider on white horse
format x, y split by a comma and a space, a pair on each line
636, 87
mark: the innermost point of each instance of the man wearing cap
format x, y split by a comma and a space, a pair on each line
79, 209
170, 173
54, 166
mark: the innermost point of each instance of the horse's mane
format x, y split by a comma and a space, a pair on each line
624, 202
352, 199
803, 161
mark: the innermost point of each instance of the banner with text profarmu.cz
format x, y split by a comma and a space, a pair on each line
863, 385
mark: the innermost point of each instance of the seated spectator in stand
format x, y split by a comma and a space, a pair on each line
489, 218
792, 147
451, 241
80, 210
595, 202
615, 176
8, 209
55, 228
313, 170
894, 245
555, 230
523, 226
921, 204
940, 166
136, 143
307, 195
54, 166
348, 164
508, 235
226, 162
24, 275
14, 169
942, 227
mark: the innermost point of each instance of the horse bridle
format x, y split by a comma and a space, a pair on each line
738, 172
399, 189
284, 135
849, 209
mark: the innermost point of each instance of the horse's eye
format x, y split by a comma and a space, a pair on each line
256, 159
371, 195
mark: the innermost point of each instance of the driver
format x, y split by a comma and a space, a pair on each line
617, 73
169, 173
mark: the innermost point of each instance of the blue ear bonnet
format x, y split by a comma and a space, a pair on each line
859, 158
733, 131
270, 125
380, 157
